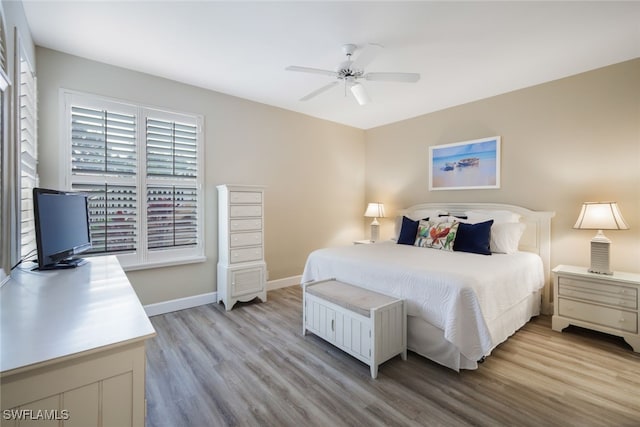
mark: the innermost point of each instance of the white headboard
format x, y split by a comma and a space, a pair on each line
536, 237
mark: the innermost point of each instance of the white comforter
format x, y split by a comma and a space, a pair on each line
457, 292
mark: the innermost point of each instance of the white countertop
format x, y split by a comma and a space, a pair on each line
49, 315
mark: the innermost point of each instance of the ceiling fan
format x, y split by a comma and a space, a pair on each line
350, 71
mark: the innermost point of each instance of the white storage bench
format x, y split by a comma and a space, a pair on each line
370, 326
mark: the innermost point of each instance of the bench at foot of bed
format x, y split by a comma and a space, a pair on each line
370, 326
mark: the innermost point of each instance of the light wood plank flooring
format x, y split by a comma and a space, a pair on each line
253, 367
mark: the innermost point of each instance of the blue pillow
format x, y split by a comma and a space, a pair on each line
408, 231
474, 238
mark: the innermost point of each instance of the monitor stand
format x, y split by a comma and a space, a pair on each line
64, 264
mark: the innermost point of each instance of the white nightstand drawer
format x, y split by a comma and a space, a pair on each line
245, 197
246, 254
610, 317
602, 296
612, 289
245, 211
245, 224
246, 239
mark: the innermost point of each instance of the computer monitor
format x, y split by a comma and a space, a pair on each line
62, 227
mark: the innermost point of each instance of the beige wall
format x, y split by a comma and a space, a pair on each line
313, 169
564, 142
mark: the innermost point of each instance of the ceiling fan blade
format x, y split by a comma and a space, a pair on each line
393, 77
368, 54
319, 91
311, 70
360, 94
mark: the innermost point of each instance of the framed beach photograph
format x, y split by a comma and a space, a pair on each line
466, 165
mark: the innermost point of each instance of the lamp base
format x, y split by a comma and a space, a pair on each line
375, 232
600, 256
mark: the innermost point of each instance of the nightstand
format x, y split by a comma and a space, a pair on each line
605, 303
362, 242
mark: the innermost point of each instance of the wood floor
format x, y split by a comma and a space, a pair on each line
253, 367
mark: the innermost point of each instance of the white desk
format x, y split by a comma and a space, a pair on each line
72, 342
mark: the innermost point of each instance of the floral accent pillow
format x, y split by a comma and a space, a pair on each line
437, 235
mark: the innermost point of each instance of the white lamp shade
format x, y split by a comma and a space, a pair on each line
374, 210
600, 216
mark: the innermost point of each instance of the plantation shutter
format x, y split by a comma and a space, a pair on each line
172, 217
172, 196
28, 157
3, 46
104, 165
112, 216
141, 168
171, 149
102, 142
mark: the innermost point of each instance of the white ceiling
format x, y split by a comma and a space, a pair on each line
464, 50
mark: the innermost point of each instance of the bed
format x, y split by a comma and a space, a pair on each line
460, 305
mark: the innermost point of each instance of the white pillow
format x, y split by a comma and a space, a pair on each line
505, 237
497, 216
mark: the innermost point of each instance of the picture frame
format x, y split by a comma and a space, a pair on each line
466, 165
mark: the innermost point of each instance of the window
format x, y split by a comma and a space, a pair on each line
142, 168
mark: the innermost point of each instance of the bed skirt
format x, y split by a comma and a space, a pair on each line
429, 341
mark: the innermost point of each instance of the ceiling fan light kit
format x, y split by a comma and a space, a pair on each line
351, 71
360, 94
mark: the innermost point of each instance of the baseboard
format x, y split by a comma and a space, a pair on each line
283, 283
180, 304
209, 298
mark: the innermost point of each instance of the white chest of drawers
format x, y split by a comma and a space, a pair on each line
242, 270
600, 302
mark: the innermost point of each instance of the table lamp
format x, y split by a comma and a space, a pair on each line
600, 216
375, 211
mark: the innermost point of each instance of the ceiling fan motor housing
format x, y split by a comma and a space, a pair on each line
344, 70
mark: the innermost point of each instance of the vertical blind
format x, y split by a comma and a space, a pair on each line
28, 156
137, 205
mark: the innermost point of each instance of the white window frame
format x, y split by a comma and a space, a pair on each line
142, 257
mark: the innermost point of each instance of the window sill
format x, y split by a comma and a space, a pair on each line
168, 263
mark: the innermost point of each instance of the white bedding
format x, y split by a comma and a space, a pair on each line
457, 292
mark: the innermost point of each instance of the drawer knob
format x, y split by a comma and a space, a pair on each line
621, 320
